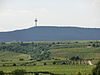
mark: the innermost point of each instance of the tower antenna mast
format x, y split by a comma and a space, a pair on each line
36, 22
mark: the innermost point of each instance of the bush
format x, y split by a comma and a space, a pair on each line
79, 73
18, 72
45, 63
96, 70
54, 63
14, 64
1, 73
75, 58
21, 59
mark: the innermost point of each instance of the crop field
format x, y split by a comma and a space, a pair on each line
7, 55
86, 53
57, 69
58, 57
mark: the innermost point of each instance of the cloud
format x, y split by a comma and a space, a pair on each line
95, 2
20, 14
19, 19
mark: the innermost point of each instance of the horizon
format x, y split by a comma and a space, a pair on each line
49, 26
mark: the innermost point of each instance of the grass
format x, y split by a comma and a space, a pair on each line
7, 55
86, 53
58, 69
58, 51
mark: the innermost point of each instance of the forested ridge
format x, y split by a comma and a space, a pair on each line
49, 33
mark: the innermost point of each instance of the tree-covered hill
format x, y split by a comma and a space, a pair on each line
43, 33
35, 50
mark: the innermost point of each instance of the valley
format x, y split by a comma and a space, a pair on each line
58, 57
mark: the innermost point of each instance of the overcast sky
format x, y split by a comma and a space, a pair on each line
20, 14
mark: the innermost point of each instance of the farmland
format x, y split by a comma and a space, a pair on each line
58, 57
57, 69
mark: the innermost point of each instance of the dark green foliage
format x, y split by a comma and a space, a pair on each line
54, 63
42, 50
1, 73
96, 70
79, 73
76, 42
63, 63
18, 72
3, 65
75, 58
14, 64
37, 51
96, 44
49, 33
45, 63
21, 59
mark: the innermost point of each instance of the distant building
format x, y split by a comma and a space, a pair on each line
90, 63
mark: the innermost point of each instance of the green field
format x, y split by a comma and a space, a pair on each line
8, 55
57, 69
50, 56
86, 53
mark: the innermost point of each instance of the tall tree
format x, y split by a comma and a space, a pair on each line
96, 70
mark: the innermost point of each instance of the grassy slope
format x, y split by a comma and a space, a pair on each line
57, 53
82, 52
6, 55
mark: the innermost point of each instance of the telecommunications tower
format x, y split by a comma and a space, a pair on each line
36, 22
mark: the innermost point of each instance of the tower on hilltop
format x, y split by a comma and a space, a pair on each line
36, 22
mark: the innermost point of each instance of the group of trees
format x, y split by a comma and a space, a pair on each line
37, 51
40, 51
96, 70
75, 58
96, 45
56, 62
70, 62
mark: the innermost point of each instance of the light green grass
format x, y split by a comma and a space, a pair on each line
58, 69
7, 55
90, 53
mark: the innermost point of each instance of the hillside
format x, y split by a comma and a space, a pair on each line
58, 57
86, 53
46, 50
12, 56
46, 33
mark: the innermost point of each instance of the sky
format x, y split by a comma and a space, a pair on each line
20, 14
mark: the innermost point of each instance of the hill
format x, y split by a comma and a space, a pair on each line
47, 33
46, 50
85, 53
12, 56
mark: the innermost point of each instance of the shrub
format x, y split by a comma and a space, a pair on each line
54, 63
18, 72
79, 73
14, 64
21, 59
96, 70
1, 73
45, 63
75, 58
